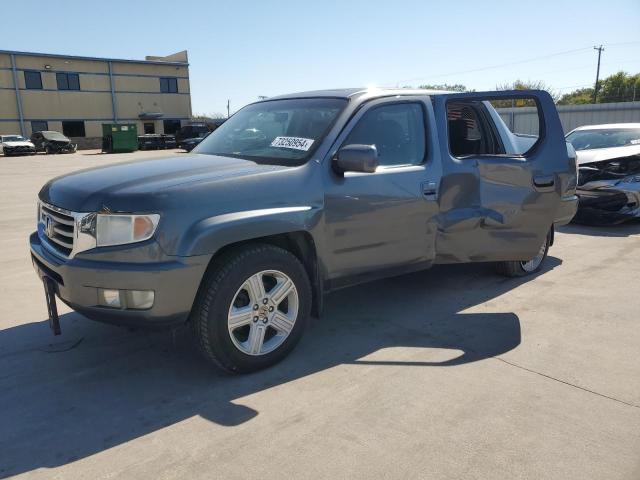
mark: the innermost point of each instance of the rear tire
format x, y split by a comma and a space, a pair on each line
525, 267
251, 308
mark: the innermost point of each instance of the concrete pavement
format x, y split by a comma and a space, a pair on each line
450, 373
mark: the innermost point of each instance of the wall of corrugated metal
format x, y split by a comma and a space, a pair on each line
525, 119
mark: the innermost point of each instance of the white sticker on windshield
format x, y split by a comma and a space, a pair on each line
296, 143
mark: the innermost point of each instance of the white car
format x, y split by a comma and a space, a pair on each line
16, 145
608, 159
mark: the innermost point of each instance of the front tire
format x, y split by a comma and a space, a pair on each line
526, 267
251, 309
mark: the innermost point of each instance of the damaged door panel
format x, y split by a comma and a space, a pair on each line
501, 192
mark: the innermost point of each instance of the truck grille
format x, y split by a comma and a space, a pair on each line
58, 227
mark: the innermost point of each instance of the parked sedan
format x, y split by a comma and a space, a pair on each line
16, 145
608, 172
52, 142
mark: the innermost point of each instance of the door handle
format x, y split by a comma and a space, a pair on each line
429, 189
544, 181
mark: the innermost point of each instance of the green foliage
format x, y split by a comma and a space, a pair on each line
529, 85
619, 87
577, 97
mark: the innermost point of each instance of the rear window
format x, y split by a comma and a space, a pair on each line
280, 131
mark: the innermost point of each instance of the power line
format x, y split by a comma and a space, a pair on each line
508, 64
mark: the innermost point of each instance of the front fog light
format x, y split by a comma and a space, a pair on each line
140, 299
109, 298
126, 299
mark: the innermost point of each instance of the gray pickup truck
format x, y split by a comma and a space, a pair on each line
298, 195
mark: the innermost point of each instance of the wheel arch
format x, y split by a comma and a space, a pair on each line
300, 243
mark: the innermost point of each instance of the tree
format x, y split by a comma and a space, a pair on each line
619, 87
577, 97
529, 85
204, 117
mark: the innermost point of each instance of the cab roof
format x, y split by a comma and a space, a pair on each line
348, 93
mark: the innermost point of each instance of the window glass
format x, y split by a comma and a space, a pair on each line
169, 85
32, 80
73, 80
171, 126
285, 132
73, 128
397, 131
149, 127
63, 83
39, 126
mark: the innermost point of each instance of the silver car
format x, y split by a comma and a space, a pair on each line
16, 145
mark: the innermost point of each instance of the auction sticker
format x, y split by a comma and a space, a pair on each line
296, 143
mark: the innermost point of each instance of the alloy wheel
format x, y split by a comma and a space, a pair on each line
263, 312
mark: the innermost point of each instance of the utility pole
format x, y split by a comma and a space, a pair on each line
600, 49
228, 103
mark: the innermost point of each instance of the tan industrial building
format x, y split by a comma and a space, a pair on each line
76, 95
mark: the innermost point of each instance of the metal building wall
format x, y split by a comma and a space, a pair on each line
524, 120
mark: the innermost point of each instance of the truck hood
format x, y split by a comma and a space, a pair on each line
601, 154
142, 185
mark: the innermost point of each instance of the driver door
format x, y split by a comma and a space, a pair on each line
383, 223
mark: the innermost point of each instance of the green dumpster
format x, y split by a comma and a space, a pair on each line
119, 137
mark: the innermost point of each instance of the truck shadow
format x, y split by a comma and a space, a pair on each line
97, 386
627, 229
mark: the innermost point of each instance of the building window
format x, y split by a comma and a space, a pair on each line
169, 85
68, 81
149, 127
32, 80
171, 126
39, 126
73, 128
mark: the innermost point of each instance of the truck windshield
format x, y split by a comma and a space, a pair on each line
278, 131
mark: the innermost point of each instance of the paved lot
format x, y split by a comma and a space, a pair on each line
451, 373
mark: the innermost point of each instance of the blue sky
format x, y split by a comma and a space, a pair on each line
239, 50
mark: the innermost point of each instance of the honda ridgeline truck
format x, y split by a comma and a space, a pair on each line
298, 195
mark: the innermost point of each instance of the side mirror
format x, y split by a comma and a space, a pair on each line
357, 158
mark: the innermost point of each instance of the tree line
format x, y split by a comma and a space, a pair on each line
619, 87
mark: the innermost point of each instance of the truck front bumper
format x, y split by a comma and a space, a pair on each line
174, 281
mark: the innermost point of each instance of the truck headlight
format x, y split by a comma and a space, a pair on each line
119, 229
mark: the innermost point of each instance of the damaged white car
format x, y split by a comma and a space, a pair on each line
16, 145
608, 172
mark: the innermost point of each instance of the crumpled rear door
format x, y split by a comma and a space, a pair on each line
500, 206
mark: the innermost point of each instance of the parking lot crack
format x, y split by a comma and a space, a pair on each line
566, 383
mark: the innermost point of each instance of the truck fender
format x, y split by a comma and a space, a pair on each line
209, 235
